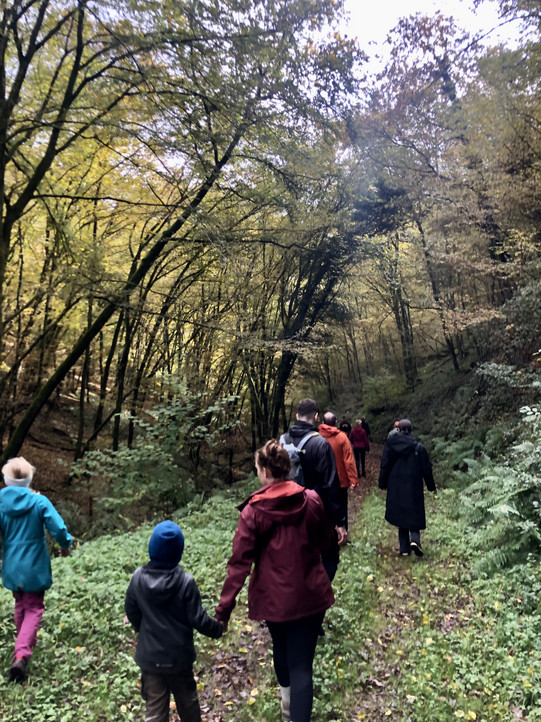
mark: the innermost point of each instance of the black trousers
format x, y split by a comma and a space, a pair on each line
330, 557
293, 647
156, 690
404, 537
360, 457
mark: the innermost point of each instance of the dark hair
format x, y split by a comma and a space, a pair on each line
404, 426
275, 458
307, 407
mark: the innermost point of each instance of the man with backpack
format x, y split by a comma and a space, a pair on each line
313, 466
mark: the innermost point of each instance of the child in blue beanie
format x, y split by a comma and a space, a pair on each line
164, 606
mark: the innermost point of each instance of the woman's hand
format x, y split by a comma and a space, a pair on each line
342, 535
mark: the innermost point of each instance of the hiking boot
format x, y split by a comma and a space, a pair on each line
17, 673
416, 548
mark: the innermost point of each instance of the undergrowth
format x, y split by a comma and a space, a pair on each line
408, 639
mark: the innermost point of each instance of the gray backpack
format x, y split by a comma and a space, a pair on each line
295, 452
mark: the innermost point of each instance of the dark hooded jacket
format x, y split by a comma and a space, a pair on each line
281, 530
319, 470
164, 607
404, 465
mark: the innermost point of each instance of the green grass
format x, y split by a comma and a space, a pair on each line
408, 639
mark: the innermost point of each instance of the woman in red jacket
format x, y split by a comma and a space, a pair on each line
281, 530
360, 443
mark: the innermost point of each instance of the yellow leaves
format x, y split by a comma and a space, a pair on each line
252, 698
425, 618
463, 715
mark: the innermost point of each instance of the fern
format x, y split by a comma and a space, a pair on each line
501, 504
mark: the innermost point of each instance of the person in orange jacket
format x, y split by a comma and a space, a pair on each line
345, 462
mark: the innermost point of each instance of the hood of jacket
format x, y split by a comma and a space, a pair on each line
402, 444
300, 429
17, 500
159, 583
283, 502
328, 431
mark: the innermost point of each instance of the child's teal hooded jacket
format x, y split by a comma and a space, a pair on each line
24, 516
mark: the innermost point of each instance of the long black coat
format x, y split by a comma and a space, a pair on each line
404, 465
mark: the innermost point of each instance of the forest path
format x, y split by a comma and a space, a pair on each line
243, 667
236, 668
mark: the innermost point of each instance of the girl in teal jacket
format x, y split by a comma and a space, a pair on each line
26, 566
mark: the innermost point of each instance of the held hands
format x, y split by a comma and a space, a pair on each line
342, 535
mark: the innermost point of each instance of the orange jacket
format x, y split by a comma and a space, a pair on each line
345, 462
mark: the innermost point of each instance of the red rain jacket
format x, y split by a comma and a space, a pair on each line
281, 530
359, 438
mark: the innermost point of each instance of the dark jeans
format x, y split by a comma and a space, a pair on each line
360, 456
156, 690
343, 496
404, 539
330, 557
293, 648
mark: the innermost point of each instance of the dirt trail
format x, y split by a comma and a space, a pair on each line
232, 669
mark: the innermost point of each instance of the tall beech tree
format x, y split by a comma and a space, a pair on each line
189, 88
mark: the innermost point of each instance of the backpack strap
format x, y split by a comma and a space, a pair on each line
306, 439
286, 439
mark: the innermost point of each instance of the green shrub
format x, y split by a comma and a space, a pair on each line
502, 502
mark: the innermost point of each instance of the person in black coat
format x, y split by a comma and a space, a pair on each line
404, 465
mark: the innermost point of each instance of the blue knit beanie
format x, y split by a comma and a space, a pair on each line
166, 544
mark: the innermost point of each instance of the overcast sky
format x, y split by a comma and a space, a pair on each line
371, 20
